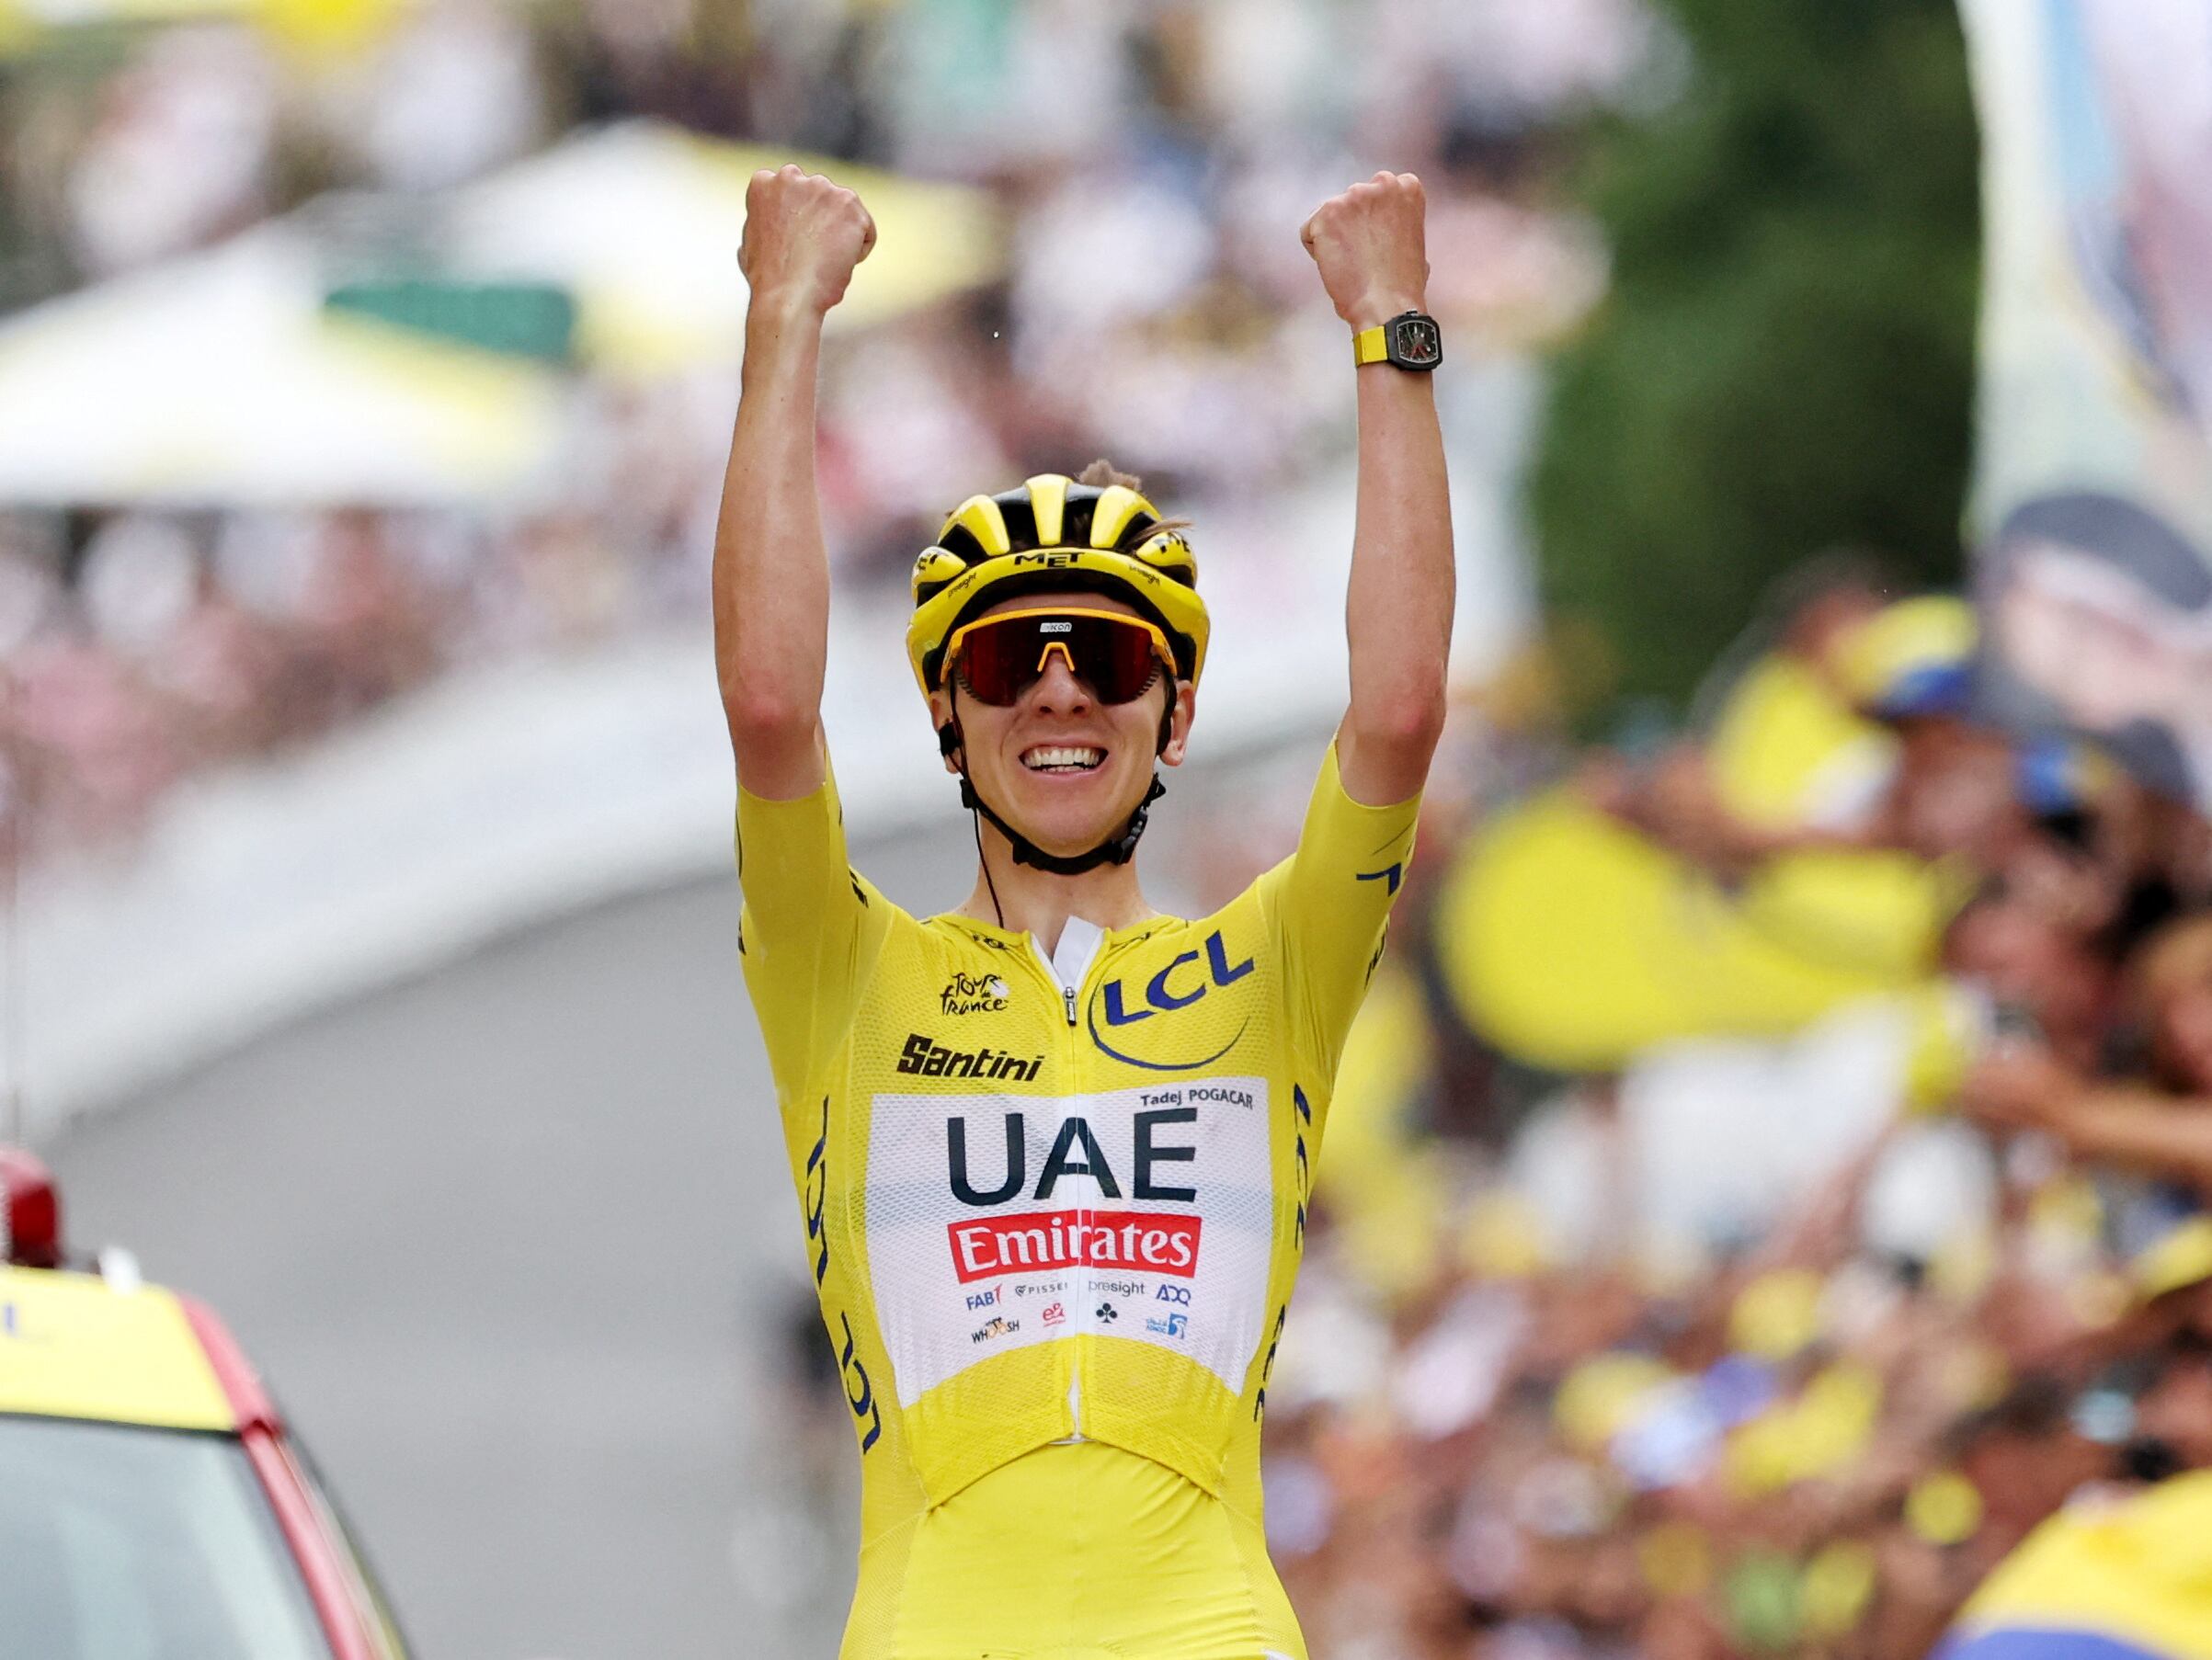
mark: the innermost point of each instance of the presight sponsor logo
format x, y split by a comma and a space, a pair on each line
989, 1246
932, 1059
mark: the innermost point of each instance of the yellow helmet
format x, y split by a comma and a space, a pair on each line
1051, 534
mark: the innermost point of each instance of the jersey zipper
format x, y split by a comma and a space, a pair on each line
1069, 996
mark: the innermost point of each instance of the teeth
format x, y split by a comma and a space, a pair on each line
1052, 757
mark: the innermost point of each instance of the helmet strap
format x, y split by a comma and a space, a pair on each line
1117, 849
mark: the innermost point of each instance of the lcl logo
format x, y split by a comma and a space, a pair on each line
1178, 985
1161, 994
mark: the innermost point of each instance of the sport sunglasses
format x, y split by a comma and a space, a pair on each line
998, 658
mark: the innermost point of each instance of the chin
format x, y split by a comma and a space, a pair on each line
1068, 828
1061, 839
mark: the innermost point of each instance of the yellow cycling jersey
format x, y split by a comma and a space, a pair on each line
1053, 1199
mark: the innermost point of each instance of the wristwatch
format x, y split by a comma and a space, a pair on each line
1409, 340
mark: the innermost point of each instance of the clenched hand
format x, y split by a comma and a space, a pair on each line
804, 236
1369, 244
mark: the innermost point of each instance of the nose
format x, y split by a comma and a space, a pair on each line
1057, 691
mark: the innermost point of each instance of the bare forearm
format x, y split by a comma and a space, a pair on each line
1399, 606
803, 235
771, 571
2145, 1132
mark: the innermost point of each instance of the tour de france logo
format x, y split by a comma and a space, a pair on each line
973, 993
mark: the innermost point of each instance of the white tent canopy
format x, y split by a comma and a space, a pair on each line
218, 378
641, 221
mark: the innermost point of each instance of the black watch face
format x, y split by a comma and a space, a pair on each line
1418, 343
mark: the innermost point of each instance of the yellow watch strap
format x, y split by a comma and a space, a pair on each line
1368, 346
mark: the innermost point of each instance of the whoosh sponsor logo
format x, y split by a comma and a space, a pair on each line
986, 1247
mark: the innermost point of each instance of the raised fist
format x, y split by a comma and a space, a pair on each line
803, 237
1368, 244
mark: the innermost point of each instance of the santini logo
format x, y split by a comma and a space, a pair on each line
933, 1061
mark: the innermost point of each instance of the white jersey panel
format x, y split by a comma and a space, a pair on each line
999, 1220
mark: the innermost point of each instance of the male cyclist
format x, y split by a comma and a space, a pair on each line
1055, 1149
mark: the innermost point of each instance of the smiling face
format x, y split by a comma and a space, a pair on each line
1059, 765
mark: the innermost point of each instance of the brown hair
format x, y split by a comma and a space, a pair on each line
1102, 474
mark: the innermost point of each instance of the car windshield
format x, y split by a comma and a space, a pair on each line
121, 1543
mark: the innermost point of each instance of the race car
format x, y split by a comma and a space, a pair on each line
153, 1503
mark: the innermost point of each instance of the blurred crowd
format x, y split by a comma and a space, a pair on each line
1810, 1194
1773, 1173
1150, 165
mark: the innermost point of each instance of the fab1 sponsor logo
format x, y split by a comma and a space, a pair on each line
997, 1327
973, 993
989, 1246
985, 1298
1172, 1327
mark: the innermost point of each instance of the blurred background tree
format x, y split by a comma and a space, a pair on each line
1785, 361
